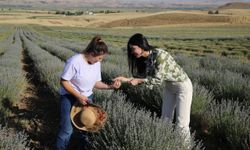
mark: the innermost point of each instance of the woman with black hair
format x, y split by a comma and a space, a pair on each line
82, 73
154, 66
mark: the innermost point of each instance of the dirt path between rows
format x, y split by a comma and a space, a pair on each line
38, 112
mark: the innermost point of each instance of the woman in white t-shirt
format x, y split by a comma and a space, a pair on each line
82, 73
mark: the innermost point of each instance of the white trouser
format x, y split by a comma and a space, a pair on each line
178, 95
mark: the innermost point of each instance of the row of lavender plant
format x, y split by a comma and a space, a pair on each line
5, 43
226, 78
2, 47
48, 66
229, 123
57, 47
229, 83
61, 52
13, 80
223, 63
49, 45
75, 46
12, 85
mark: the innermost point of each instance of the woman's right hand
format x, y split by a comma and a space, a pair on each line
82, 99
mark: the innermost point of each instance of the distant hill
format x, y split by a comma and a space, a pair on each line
168, 19
236, 5
177, 18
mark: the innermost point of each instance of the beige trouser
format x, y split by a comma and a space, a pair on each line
178, 95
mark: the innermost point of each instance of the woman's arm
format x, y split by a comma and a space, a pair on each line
136, 81
133, 81
68, 87
100, 85
122, 79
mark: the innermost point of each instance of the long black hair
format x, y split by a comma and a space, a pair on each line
96, 47
137, 66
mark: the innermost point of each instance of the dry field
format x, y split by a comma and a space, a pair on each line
61, 20
129, 19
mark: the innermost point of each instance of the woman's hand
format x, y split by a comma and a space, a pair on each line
122, 79
82, 99
136, 81
101, 85
116, 84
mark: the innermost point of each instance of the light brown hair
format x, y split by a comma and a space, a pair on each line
96, 47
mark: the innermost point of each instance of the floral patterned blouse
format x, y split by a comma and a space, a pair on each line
161, 66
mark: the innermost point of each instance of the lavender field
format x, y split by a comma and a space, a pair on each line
32, 58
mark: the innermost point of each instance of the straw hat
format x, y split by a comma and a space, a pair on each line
88, 117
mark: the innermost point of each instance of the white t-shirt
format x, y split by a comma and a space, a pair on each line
81, 75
